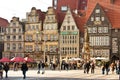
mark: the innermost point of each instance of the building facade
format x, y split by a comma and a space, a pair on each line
99, 29
50, 33
3, 24
14, 39
115, 42
69, 37
33, 35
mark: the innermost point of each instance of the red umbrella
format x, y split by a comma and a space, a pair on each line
4, 59
17, 59
27, 59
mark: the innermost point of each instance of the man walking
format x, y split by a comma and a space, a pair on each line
6, 68
24, 68
41, 66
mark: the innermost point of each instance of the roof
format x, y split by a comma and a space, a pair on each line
3, 22
112, 10
79, 20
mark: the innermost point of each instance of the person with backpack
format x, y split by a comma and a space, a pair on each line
6, 68
1, 70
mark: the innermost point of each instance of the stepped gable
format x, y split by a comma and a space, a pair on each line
3, 22
112, 10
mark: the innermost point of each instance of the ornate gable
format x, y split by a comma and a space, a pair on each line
98, 16
69, 22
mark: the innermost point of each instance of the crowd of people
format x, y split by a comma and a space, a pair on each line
86, 66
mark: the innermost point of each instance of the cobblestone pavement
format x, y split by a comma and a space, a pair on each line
61, 75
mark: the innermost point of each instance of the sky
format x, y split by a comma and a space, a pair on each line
18, 8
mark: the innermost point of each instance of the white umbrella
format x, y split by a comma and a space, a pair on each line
100, 58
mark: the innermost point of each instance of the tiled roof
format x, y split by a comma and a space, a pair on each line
3, 22
79, 20
112, 10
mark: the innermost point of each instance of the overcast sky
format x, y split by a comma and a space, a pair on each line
18, 8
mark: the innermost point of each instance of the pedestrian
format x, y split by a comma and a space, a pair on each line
107, 67
1, 70
6, 68
84, 66
92, 67
41, 66
112, 67
24, 68
87, 66
103, 68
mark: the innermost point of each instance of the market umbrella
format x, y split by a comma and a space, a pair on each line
27, 59
4, 59
17, 59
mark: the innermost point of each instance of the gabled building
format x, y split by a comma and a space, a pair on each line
69, 37
14, 39
99, 29
3, 24
51, 36
102, 17
33, 34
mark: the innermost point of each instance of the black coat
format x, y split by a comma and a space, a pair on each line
6, 67
24, 67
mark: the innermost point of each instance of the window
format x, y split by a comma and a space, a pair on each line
94, 30
97, 11
68, 27
100, 29
19, 37
102, 18
14, 37
14, 24
97, 18
19, 46
92, 18
14, 46
14, 30
64, 27
73, 27
8, 37
105, 29
64, 8
19, 30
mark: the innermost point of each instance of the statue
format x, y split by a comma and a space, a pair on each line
86, 47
